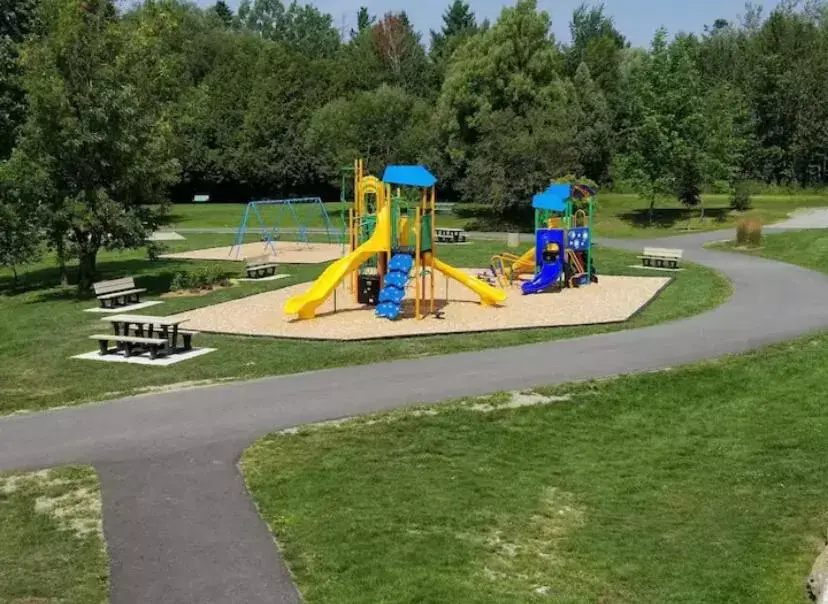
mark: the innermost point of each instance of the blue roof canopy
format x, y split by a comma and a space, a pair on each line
410, 176
554, 198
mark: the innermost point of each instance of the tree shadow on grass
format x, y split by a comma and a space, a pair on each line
668, 218
156, 277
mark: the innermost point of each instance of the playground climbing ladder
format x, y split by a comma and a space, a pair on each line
393, 291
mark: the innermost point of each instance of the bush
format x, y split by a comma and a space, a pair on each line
740, 196
749, 233
155, 249
202, 277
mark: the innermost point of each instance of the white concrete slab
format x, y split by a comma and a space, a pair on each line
654, 268
165, 236
270, 278
143, 359
128, 308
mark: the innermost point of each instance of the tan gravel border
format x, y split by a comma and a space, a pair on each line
613, 299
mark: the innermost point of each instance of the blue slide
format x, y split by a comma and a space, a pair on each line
547, 276
393, 290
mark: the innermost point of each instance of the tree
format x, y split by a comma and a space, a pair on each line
20, 235
364, 21
304, 28
287, 88
596, 42
223, 12
594, 127
459, 23
665, 140
402, 55
102, 147
347, 128
505, 116
18, 18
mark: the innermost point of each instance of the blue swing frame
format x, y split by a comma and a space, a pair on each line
252, 208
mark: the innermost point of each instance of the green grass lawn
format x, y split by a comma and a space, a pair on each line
806, 248
704, 484
43, 327
51, 540
617, 215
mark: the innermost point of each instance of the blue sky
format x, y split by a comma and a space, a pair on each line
637, 19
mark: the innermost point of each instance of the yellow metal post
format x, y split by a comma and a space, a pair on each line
417, 261
433, 245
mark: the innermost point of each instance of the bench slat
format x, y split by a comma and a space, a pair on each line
125, 292
105, 287
665, 252
130, 339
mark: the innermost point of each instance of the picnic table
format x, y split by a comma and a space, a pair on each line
148, 326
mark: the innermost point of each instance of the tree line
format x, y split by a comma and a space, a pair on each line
105, 114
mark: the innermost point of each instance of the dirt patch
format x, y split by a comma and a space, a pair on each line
192, 293
526, 555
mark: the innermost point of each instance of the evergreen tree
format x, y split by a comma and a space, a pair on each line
223, 12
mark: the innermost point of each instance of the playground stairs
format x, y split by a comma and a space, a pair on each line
393, 291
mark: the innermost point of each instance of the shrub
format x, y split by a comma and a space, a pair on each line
155, 249
201, 277
740, 196
179, 282
754, 235
749, 233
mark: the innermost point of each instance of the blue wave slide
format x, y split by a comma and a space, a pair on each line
547, 277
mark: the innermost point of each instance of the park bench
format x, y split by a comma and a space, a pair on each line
117, 292
260, 266
445, 235
661, 257
130, 344
444, 207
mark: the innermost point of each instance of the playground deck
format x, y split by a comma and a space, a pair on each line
287, 252
613, 299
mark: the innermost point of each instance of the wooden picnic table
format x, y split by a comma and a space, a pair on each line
167, 327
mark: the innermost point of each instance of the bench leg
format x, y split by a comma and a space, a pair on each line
153, 351
104, 346
127, 349
188, 341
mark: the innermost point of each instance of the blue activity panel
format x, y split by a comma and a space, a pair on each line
577, 239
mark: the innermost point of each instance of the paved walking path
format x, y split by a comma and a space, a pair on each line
812, 218
179, 524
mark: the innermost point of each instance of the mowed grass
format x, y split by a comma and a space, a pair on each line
44, 326
805, 248
704, 484
616, 215
51, 540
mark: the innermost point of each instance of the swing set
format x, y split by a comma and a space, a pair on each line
273, 233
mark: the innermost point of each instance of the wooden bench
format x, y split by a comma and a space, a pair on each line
450, 235
661, 257
260, 266
117, 292
129, 344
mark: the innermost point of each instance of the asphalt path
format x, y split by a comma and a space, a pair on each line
179, 523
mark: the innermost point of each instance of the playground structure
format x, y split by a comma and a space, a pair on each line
562, 254
272, 233
391, 242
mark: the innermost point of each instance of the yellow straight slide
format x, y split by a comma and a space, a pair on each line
305, 304
526, 263
489, 295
